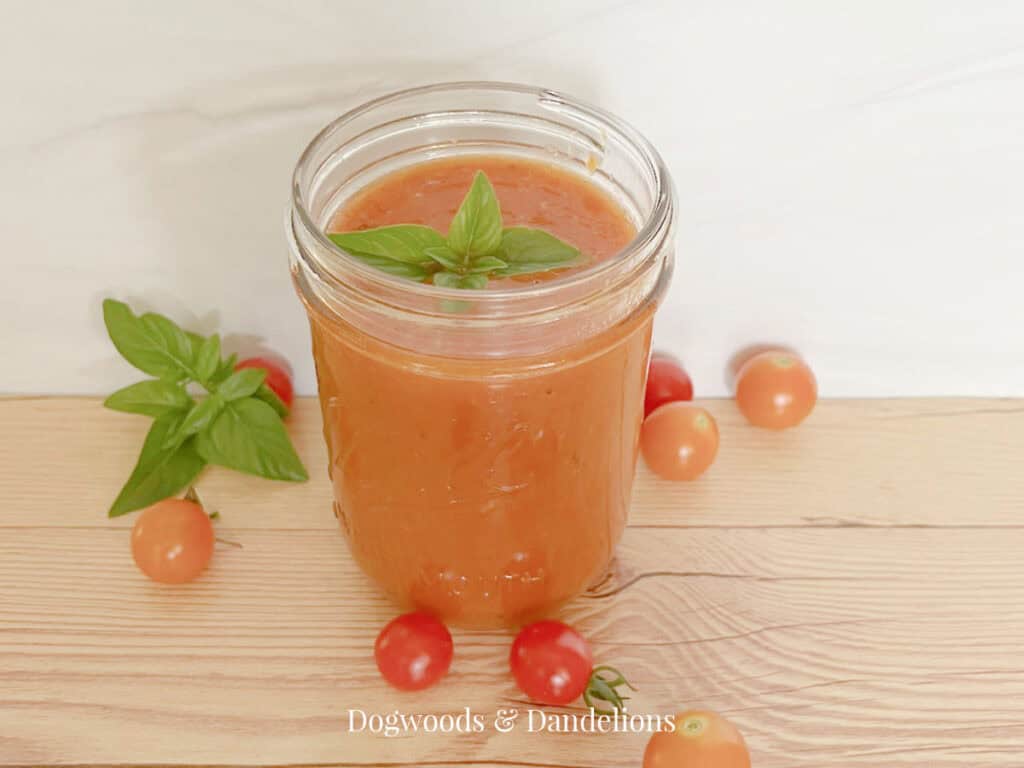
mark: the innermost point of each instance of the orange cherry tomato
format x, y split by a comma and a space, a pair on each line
700, 740
775, 390
679, 441
172, 541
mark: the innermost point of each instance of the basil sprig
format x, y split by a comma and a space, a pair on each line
478, 246
237, 425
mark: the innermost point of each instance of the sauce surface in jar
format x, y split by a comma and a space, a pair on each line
485, 490
531, 194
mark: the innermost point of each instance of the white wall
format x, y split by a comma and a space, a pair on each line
850, 174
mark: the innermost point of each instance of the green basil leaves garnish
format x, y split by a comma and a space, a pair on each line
478, 247
237, 425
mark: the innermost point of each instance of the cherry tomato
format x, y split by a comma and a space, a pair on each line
172, 541
775, 389
679, 441
278, 379
551, 662
413, 651
667, 382
700, 740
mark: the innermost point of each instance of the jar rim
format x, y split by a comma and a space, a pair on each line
647, 236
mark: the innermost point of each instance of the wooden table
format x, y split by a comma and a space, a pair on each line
850, 594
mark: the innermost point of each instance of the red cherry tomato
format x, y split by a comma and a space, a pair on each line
172, 541
413, 651
551, 662
679, 441
698, 739
278, 379
776, 390
667, 382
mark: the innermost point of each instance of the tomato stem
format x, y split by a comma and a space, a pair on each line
605, 688
192, 494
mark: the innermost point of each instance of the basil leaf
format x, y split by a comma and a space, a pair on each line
534, 250
196, 341
476, 228
201, 414
224, 369
241, 384
404, 243
159, 472
221, 368
150, 398
248, 436
486, 264
206, 361
456, 306
447, 279
269, 396
151, 343
452, 280
445, 256
474, 282
392, 267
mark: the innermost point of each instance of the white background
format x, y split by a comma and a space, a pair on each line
850, 174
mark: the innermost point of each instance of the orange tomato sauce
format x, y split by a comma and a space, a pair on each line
531, 194
485, 491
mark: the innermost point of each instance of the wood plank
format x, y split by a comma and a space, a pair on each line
867, 462
828, 646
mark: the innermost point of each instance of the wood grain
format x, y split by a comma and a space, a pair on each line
879, 623
854, 462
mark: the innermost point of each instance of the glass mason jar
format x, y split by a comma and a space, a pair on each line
482, 444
